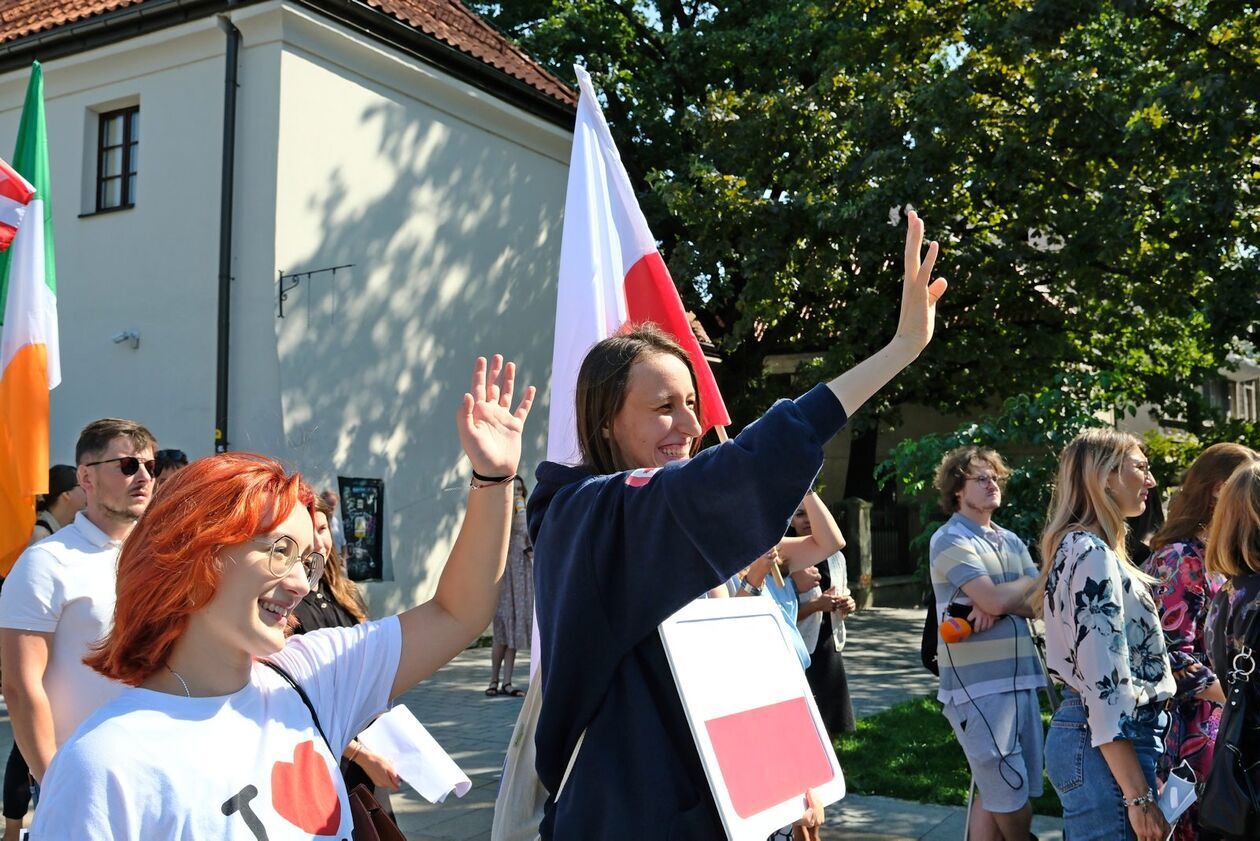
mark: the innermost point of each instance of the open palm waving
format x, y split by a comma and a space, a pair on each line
489, 430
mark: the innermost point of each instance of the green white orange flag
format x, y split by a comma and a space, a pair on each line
30, 364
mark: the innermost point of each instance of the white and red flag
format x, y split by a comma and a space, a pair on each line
611, 274
15, 196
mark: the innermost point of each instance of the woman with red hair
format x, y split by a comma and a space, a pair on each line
215, 737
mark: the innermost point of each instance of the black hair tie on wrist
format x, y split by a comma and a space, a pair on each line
481, 478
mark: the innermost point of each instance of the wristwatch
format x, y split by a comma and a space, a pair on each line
748, 587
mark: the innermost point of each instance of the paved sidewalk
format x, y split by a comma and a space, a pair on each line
882, 661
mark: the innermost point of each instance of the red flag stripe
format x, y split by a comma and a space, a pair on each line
652, 296
13, 186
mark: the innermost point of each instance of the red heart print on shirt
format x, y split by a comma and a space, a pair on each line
303, 792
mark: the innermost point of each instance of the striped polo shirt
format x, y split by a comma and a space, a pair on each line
1002, 659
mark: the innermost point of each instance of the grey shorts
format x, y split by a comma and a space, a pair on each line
1006, 755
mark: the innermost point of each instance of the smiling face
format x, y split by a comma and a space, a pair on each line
657, 422
1130, 483
250, 609
113, 497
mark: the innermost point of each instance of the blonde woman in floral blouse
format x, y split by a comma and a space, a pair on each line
1104, 643
1184, 591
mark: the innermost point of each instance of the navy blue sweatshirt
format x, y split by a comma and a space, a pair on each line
614, 556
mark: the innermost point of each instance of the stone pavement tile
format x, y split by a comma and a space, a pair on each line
865, 817
881, 659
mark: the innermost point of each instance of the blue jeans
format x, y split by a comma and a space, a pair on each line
1093, 805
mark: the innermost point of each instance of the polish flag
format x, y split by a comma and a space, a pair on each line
756, 726
15, 196
611, 275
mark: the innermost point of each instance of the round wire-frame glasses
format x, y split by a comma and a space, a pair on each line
284, 552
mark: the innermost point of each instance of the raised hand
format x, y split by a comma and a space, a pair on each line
489, 431
919, 293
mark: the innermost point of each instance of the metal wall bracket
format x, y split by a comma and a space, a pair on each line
294, 279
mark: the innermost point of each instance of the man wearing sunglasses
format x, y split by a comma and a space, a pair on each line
59, 598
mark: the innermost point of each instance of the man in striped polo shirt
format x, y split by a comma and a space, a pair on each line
989, 680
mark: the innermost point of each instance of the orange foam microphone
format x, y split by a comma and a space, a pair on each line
955, 629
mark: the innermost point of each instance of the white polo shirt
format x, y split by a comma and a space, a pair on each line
64, 586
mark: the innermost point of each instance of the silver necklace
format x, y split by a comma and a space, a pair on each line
183, 682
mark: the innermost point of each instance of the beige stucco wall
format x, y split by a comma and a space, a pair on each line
449, 204
448, 201
151, 268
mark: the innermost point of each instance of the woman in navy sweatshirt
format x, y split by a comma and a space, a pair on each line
645, 525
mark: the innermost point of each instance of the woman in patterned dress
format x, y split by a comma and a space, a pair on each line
514, 620
1183, 591
1104, 644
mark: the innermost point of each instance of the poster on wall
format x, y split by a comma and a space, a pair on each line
362, 519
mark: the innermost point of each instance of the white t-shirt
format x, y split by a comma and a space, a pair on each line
64, 586
237, 767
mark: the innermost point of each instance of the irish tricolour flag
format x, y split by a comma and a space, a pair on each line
29, 361
610, 274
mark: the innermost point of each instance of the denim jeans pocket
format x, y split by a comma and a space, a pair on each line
1066, 744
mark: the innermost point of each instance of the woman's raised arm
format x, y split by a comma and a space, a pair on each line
468, 590
919, 294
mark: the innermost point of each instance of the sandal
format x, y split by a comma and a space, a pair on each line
492, 691
512, 691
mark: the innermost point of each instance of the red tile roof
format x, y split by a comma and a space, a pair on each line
453, 23
448, 21
19, 18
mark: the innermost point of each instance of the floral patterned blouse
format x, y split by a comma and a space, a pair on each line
1184, 592
1103, 636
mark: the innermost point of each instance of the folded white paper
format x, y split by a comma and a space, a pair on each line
416, 756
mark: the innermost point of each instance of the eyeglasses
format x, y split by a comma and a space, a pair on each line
284, 553
129, 465
985, 479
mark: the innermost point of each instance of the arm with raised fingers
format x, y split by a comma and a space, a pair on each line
468, 589
915, 326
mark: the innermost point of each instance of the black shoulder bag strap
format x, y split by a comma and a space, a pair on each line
306, 699
1230, 803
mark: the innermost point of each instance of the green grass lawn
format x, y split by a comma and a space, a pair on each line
909, 752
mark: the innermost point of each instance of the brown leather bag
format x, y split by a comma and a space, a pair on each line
370, 821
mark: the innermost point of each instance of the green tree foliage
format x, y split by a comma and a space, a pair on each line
1029, 432
1090, 168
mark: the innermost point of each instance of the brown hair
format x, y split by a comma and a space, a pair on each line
1233, 542
96, 436
601, 390
951, 475
344, 591
1191, 510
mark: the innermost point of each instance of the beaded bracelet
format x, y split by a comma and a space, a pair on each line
1143, 801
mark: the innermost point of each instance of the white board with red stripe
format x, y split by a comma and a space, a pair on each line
751, 712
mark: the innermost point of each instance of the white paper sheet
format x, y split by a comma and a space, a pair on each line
417, 757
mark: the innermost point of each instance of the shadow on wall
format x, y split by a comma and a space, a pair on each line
373, 365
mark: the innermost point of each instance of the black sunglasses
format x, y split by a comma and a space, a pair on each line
129, 465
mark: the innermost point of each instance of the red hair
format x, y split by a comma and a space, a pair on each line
169, 566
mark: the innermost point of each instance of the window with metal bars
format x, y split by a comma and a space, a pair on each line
118, 157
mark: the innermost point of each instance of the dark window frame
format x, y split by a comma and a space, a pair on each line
127, 171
